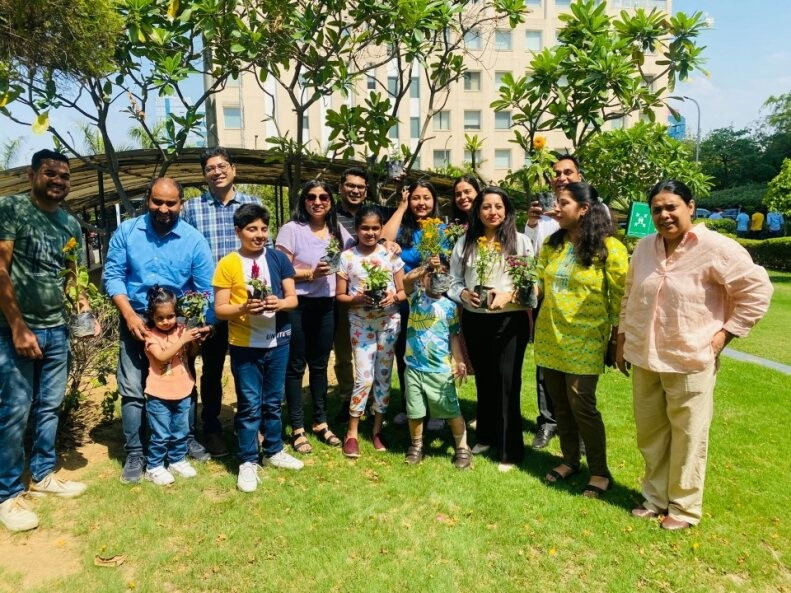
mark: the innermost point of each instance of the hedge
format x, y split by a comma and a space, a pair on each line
770, 253
721, 225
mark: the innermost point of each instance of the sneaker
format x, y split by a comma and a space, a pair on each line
284, 461
379, 442
504, 468
414, 455
248, 479
435, 424
52, 485
462, 458
400, 418
479, 448
197, 451
160, 476
543, 436
15, 514
215, 445
133, 469
351, 448
183, 469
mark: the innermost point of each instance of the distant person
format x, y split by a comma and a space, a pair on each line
757, 224
775, 223
716, 215
742, 224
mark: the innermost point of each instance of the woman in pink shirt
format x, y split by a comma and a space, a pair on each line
689, 292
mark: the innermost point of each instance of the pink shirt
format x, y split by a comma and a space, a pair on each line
673, 306
168, 380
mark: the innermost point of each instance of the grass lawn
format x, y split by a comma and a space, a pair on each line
769, 339
377, 525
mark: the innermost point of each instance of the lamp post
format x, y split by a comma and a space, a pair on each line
697, 138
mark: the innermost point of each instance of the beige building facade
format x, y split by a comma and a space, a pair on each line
248, 112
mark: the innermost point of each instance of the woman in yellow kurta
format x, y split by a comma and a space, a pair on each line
581, 271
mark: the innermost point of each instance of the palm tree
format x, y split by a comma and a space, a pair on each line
143, 139
9, 152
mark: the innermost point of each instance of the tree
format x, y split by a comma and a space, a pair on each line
597, 72
624, 164
734, 157
780, 112
778, 194
8, 152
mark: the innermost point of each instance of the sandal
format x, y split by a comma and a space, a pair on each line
326, 436
593, 491
555, 476
299, 440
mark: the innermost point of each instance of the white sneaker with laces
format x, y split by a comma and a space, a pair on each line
478, 449
183, 469
52, 485
284, 461
16, 515
248, 479
160, 476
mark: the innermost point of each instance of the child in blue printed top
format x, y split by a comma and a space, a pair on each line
433, 359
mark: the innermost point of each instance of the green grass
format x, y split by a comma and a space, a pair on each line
769, 339
379, 525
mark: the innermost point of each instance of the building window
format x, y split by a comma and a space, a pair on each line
562, 3
617, 123
306, 124
472, 81
392, 85
472, 120
533, 3
414, 87
441, 121
468, 157
414, 127
393, 133
502, 158
441, 158
502, 40
498, 78
472, 39
502, 120
533, 40
232, 118
370, 82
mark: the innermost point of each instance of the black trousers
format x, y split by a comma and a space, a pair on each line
496, 343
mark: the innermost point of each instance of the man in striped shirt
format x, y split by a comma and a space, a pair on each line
212, 214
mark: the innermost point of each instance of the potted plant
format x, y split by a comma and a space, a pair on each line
434, 242
488, 255
257, 287
376, 282
192, 306
78, 284
454, 232
333, 254
521, 269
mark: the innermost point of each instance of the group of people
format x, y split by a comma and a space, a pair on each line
761, 224
349, 277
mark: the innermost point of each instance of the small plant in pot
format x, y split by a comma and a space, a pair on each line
487, 256
522, 270
257, 288
376, 282
333, 254
78, 285
192, 305
434, 242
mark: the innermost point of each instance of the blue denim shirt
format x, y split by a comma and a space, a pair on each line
138, 258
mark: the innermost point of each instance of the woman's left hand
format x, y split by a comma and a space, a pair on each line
719, 341
500, 300
388, 300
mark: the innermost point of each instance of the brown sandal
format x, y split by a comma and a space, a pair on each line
326, 436
299, 440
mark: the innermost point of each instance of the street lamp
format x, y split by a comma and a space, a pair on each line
697, 138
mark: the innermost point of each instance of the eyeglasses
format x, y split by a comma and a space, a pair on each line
320, 197
352, 186
221, 168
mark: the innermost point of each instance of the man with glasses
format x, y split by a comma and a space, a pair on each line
212, 214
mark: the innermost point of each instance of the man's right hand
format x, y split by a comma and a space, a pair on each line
26, 343
137, 327
534, 213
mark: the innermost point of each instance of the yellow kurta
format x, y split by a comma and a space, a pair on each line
581, 305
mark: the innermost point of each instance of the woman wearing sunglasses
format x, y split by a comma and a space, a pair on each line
304, 241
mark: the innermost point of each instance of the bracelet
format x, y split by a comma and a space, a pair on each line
309, 277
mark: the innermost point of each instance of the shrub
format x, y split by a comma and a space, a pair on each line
721, 225
749, 196
770, 253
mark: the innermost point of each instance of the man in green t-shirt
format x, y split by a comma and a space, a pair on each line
34, 336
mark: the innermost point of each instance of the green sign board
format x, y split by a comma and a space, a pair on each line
639, 223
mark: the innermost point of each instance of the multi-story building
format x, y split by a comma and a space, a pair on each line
246, 115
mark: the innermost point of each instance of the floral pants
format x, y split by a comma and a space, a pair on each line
373, 346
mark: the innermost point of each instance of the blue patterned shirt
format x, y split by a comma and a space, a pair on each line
214, 220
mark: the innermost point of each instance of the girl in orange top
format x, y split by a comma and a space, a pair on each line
168, 388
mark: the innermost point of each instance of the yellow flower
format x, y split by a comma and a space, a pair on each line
539, 142
70, 245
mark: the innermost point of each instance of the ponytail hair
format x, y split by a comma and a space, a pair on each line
594, 227
157, 296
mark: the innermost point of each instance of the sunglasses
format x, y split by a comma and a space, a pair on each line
320, 197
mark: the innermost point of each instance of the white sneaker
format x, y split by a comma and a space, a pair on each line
505, 467
435, 424
248, 477
15, 514
400, 418
52, 485
284, 460
160, 476
478, 449
183, 469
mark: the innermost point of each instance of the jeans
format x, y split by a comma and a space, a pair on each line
312, 330
168, 420
259, 374
213, 352
36, 387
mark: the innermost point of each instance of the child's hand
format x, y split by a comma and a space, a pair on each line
460, 372
252, 307
190, 335
271, 303
388, 300
434, 262
362, 300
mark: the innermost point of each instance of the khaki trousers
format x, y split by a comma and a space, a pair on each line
673, 413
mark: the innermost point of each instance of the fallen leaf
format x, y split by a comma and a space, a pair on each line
110, 561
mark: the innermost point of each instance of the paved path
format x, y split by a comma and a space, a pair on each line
764, 362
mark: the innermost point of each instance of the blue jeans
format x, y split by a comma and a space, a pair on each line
168, 421
36, 387
259, 375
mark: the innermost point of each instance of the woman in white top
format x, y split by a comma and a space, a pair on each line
496, 332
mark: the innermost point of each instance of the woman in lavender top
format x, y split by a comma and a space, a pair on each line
304, 241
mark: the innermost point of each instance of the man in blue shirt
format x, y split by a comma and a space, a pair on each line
742, 224
155, 248
774, 224
212, 214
